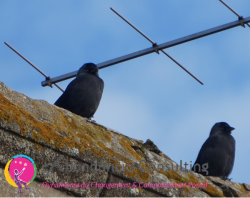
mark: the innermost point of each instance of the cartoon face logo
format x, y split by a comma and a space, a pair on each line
20, 171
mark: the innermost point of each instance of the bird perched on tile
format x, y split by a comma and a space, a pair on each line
216, 157
83, 95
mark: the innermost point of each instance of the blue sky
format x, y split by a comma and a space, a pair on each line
149, 97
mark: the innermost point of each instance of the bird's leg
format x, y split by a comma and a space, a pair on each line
89, 119
225, 178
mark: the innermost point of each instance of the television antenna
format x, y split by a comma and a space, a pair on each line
155, 48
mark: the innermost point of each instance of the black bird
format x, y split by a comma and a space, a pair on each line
216, 157
83, 95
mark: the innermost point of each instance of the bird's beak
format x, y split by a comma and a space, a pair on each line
231, 128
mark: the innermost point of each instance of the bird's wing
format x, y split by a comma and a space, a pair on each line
82, 95
212, 153
230, 162
76, 88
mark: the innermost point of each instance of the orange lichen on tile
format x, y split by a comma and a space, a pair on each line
123, 142
212, 191
70, 132
140, 190
243, 189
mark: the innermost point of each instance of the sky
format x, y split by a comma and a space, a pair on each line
149, 97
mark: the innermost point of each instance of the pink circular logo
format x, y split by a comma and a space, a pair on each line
20, 171
19, 164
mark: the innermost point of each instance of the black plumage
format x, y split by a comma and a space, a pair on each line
83, 95
218, 151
